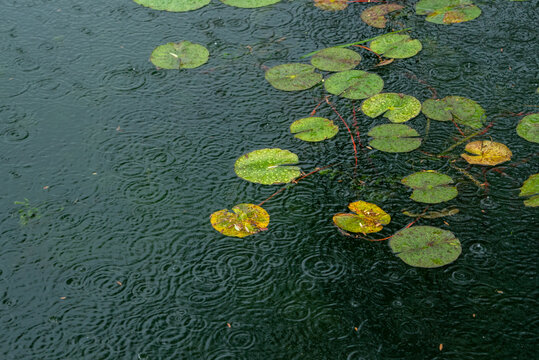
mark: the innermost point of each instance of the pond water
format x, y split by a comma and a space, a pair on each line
114, 257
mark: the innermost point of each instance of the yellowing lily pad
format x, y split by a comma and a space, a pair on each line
447, 11
528, 128
331, 5
293, 77
375, 15
531, 188
314, 129
394, 138
182, 55
354, 84
267, 166
368, 218
242, 221
336, 59
249, 3
486, 153
397, 108
457, 108
430, 187
396, 46
173, 5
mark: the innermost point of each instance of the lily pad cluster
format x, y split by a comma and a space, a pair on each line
447, 11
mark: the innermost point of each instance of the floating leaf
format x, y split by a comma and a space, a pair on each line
331, 5
293, 77
457, 108
447, 11
430, 187
314, 129
368, 218
425, 246
396, 46
249, 3
354, 84
396, 107
242, 221
531, 188
528, 128
182, 55
394, 138
487, 153
375, 15
173, 5
265, 166
336, 59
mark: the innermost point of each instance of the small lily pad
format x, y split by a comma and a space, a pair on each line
457, 108
267, 166
336, 59
331, 5
314, 129
447, 11
173, 5
249, 3
354, 84
430, 187
426, 246
182, 55
368, 218
293, 77
396, 46
486, 153
531, 188
394, 138
242, 221
397, 108
528, 128
375, 15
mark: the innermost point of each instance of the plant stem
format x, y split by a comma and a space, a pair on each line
463, 140
349, 131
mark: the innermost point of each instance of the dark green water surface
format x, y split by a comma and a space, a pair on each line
123, 164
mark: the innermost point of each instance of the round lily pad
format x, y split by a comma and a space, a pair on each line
249, 3
486, 153
173, 5
375, 15
331, 5
336, 59
394, 138
430, 187
314, 129
457, 108
266, 166
182, 55
242, 221
447, 11
368, 218
397, 108
396, 46
531, 188
426, 246
528, 128
354, 84
293, 77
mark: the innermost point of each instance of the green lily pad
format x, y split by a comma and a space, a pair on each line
173, 5
397, 108
457, 108
331, 5
528, 128
249, 3
336, 59
182, 55
368, 218
531, 188
447, 11
354, 84
394, 138
426, 246
266, 166
430, 187
396, 46
242, 221
293, 77
314, 129
375, 15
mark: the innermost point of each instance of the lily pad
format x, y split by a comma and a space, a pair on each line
182, 55
266, 166
396, 46
293, 77
336, 59
486, 153
368, 218
397, 108
531, 188
314, 129
528, 128
457, 108
173, 5
430, 187
354, 84
394, 138
375, 15
242, 221
249, 3
331, 5
447, 11
426, 246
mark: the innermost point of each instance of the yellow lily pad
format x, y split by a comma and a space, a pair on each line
242, 221
368, 218
487, 153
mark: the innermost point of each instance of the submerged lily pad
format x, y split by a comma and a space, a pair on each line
354, 84
426, 246
531, 188
397, 108
368, 218
182, 55
457, 108
249, 3
396, 46
266, 166
314, 129
430, 187
528, 128
293, 77
242, 221
394, 138
331, 5
173, 5
447, 11
336, 59
375, 15
486, 153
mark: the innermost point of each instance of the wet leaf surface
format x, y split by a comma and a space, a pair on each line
267, 166
331, 5
354, 84
397, 108
528, 128
293, 77
375, 15
249, 3
314, 129
181, 55
394, 138
462, 110
447, 11
396, 46
368, 218
242, 221
336, 59
430, 187
531, 188
486, 153
173, 5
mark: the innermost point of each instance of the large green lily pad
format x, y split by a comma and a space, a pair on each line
182, 55
336, 59
368, 218
173, 5
314, 129
249, 3
430, 187
455, 108
331, 5
528, 128
447, 11
397, 108
486, 152
293, 77
531, 188
394, 138
354, 84
375, 15
242, 221
267, 166
396, 46
426, 246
